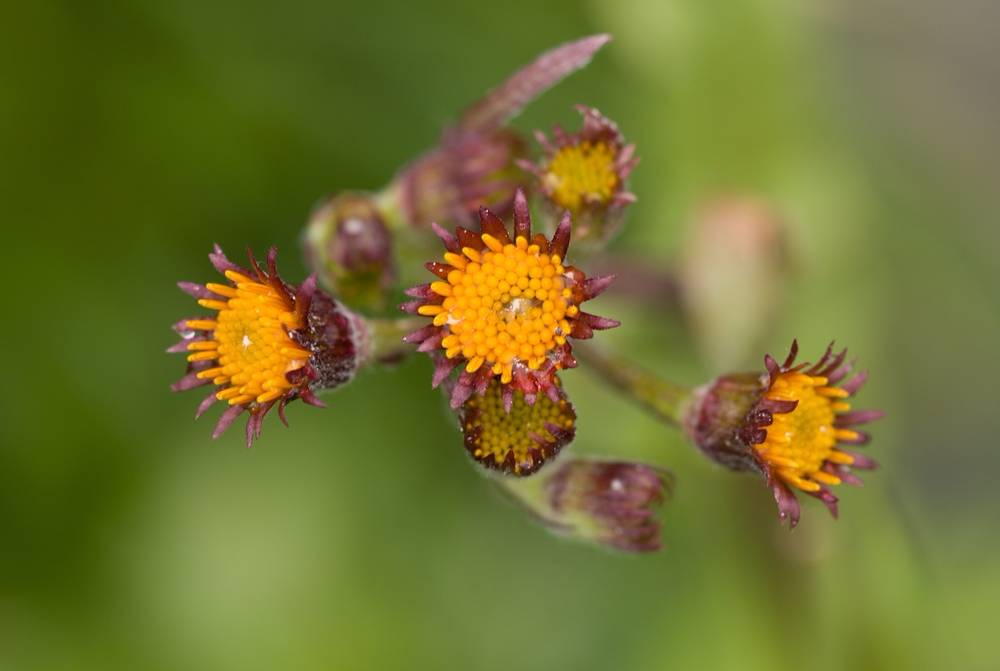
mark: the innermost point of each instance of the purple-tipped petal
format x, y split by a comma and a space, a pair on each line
773, 369
189, 381
222, 264
196, 290
226, 419
304, 295
792, 353
856, 417
307, 396
581, 331
828, 499
560, 239
420, 335
411, 307
595, 286
844, 474
788, 505
182, 346
507, 397
776, 405
431, 343
834, 365
599, 323
460, 394
491, 224
836, 375
467, 238
442, 369
422, 291
183, 330
822, 360
205, 404
449, 240
481, 380
862, 461
855, 383
522, 217
863, 438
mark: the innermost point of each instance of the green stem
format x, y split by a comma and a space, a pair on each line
666, 400
387, 337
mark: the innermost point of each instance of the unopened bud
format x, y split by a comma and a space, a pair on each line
349, 247
610, 503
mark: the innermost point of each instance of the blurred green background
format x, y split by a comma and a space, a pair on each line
134, 134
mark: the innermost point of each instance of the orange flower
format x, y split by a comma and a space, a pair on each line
505, 306
790, 424
268, 343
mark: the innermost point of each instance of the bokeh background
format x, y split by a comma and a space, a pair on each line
134, 134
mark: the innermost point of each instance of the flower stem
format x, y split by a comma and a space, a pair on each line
387, 337
664, 399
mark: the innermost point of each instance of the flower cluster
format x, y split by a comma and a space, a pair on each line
503, 319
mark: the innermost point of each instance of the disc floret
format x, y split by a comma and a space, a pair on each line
504, 433
504, 306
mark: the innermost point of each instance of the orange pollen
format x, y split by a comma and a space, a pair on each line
582, 174
250, 347
505, 304
800, 442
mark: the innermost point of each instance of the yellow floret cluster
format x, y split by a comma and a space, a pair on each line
582, 173
250, 345
503, 432
506, 303
800, 442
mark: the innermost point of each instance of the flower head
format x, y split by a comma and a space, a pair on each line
504, 433
613, 503
504, 306
790, 423
268, 343
586, 172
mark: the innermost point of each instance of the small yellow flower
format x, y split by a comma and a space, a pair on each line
586, 174
581, 174
791, 424
799, 444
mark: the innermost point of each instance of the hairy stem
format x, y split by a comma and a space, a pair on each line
387, 337
666, 400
